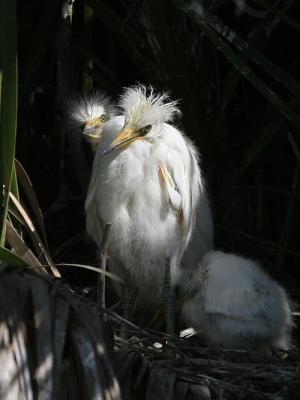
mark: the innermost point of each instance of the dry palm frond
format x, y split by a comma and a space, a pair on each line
52, 343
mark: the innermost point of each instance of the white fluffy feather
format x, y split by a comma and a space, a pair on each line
84, 112
141, 107
127, 191
237, 305
81, 109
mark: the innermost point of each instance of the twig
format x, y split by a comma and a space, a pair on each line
103, 258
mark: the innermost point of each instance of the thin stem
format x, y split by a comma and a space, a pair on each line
103, 259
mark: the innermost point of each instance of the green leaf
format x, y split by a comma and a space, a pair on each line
19, 247
14, 182
9, 257
26, 184
8, 104
40, 248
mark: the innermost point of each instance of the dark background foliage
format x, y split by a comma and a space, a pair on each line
250, 150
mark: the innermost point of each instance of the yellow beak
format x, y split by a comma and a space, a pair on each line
123, 138
93, 128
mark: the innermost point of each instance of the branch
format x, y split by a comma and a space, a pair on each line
103, 259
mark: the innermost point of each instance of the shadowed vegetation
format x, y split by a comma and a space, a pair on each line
233, 65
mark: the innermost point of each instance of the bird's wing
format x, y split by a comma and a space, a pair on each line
180, 177
171, 187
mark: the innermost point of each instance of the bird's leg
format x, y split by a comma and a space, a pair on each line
169, 300
129, 295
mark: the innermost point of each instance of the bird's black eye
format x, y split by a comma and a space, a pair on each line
143, 131
103, 118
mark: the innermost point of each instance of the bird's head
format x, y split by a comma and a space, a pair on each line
90, 113
145, 113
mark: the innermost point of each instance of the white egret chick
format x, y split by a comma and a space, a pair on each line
235, 304
89, 113
147, 183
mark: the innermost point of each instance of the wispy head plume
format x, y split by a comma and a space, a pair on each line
142, 106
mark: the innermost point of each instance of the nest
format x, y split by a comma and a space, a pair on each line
152, 365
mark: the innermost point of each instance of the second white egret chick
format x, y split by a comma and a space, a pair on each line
146, 182
235, 304
89, 113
